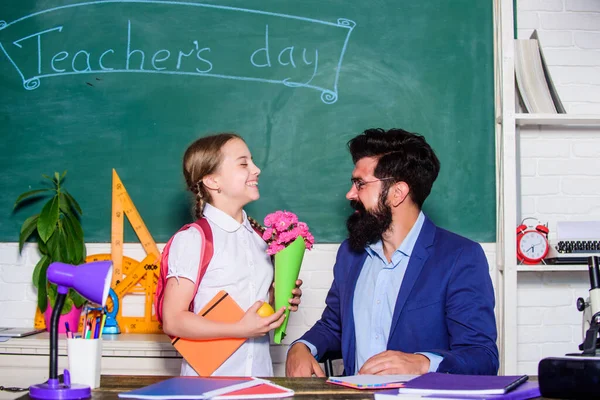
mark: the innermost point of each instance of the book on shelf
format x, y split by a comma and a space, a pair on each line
535, 89
205, 356
553, 92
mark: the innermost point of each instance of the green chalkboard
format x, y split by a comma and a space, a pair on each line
91, 86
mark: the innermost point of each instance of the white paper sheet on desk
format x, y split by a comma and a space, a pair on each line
371, 381
569, 230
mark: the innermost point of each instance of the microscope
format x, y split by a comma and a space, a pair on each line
577, 375
591, 310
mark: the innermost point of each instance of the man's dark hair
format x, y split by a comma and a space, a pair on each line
403, 155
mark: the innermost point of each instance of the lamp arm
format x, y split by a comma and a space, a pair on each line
58, 306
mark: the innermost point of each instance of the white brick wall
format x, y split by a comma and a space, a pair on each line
559, 172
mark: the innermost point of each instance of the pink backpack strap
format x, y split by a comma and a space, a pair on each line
206, 254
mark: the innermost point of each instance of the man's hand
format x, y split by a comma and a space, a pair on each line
301, 363
392, 362
294, 301
297, 293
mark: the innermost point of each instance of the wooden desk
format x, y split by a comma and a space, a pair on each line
304, 388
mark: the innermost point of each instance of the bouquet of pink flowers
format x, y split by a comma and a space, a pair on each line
287, 239
282, 228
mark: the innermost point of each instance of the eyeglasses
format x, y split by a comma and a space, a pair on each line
359, 183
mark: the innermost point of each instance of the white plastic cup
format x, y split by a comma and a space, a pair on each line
85, 360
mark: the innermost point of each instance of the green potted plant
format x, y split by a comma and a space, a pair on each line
59, 236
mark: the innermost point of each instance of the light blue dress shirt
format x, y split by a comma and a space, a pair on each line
375, 298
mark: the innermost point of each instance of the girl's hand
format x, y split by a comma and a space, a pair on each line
295, 301
252, 325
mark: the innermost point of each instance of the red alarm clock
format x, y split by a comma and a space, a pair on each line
532, 242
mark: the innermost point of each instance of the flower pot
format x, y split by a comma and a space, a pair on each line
72, 317
287, 269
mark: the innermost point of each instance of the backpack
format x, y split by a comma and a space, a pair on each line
206, 253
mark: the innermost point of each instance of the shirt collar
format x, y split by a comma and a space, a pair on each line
225, 221
405, 248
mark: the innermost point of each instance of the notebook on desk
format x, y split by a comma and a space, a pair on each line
450, 384
371, 382
190, 387
18, 332
217, 388
528, 390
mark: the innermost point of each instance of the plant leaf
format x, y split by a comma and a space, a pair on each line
57, 178
54, 250
30, 193
43, 287
74, 203
61, 247
48, 219
76, 226
52, 292
37, 269
68, 304
63, 204
68, 241
42, 246
27, 229
62, 177
74, 246
78, 299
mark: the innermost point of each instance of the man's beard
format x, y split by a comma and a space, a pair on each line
367, 227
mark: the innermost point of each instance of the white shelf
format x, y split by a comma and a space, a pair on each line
507, 135
556, 119
551, 268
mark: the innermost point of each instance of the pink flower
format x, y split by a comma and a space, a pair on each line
282, 228
267, 234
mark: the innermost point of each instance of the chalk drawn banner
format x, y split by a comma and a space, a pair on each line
177, 38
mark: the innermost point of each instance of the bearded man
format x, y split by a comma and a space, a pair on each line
407, 296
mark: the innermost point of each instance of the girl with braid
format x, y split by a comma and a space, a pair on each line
219, 171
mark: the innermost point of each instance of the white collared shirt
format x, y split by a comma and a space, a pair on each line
241, 267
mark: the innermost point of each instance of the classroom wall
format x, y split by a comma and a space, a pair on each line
559, 172
560, 180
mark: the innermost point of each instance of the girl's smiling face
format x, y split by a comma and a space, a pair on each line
236, 177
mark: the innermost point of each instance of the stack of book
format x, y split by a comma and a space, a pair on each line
535, 90
438, 386
217, 388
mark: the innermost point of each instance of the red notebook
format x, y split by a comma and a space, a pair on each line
205, 356
265, 390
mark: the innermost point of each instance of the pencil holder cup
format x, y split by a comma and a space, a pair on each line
85, 359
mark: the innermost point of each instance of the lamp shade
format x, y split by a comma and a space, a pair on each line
92, 280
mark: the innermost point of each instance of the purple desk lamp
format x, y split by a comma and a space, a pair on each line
92, 281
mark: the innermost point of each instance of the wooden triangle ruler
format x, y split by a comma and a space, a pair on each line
140, 278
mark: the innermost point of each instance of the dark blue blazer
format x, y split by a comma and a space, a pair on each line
445, 305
